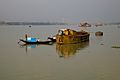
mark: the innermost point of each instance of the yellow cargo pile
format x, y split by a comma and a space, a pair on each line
70, 32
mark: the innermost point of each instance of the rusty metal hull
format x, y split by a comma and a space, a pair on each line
69, 39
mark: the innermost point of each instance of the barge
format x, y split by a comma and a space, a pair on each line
68, 36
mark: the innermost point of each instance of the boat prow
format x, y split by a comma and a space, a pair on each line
53, 39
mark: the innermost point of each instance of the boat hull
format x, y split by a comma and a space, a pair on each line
70, 39
38, 42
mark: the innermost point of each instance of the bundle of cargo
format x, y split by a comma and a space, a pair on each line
66, 36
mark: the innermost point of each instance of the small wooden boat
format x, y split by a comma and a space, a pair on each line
99, 33
84, 24
37, 42
31, 40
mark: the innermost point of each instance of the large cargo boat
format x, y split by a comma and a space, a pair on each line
68, 36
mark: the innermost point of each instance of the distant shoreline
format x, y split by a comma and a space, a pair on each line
50, 23
32, 23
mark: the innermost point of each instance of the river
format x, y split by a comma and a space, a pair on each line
93, 60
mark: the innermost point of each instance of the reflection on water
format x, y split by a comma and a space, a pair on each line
67, 50
28, 46
99, 39
64, 50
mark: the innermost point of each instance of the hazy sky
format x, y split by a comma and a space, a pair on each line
60, 10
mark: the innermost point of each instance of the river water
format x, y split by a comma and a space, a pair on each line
93, 60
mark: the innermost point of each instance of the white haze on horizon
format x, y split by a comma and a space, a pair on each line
60, 10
